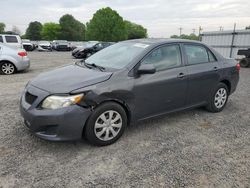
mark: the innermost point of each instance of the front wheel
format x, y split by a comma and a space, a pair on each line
219, 99
106, 125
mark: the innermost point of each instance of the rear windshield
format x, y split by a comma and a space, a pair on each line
11, 39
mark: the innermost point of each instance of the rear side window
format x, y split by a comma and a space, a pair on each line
165, 57
196, 54
211, 56
1, 39
11, 39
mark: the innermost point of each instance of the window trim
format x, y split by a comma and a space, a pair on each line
208, 50
160, 46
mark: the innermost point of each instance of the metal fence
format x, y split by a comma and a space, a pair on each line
227, 43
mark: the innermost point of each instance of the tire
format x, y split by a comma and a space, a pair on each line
219, 99
244, 63
7, 68
99, 133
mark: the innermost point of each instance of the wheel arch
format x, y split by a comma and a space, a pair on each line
122, 104
8, 61
227, 83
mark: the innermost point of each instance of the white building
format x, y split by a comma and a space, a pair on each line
227, 43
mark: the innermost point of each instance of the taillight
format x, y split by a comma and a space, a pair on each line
22, 54
238, 67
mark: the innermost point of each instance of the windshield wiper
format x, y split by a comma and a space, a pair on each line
89, 65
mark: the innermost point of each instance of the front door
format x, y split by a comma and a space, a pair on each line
164, 90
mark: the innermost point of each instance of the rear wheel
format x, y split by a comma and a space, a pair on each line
219, 99
244, 63
7, 68
106, 125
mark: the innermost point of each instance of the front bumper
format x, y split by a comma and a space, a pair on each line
55, 125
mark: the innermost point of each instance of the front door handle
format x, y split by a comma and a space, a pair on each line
181, 75
215, 68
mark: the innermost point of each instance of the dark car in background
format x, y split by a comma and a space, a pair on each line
124, 83
91, 48
61, 45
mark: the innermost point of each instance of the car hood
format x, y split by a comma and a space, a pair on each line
69, 78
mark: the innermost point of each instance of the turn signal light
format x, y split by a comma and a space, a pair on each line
22, 54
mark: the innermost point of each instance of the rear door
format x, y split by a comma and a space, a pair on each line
203, 73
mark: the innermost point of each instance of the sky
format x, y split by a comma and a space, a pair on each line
162, 18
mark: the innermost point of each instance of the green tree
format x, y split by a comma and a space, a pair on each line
33, 32
135, 31
71, 29
2, 27
51, 31
106, 25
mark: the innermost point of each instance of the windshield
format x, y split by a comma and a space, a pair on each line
118, 55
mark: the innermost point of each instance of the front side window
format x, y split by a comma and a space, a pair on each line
196, 54
1, 39
165, 57
11, 39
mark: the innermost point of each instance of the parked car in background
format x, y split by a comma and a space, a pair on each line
86, 52
83, 46
44, 46
13, 59
124, 83
61, 45
27, 45
244, 62
11, 40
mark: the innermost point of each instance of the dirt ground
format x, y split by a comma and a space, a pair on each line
193, 148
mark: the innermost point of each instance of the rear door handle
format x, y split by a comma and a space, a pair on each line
181, 75
215, 68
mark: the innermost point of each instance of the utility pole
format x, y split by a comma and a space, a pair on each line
180, 30
200, 29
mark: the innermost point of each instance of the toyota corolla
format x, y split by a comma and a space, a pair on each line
123, 84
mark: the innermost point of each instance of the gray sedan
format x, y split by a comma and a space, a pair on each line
13, 59
125, 83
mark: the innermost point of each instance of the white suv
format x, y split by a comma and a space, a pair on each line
12, 40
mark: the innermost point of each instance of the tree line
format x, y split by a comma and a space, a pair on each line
105, 25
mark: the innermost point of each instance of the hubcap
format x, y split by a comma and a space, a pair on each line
108, 125
220, 98
8, 68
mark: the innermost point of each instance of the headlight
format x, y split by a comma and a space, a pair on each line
55, 102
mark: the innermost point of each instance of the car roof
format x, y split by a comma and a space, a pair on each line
152, 41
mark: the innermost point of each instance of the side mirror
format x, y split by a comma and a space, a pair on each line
146, 69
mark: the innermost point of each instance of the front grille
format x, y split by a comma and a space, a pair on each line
29, 98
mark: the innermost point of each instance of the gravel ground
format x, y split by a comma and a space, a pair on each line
185, 149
